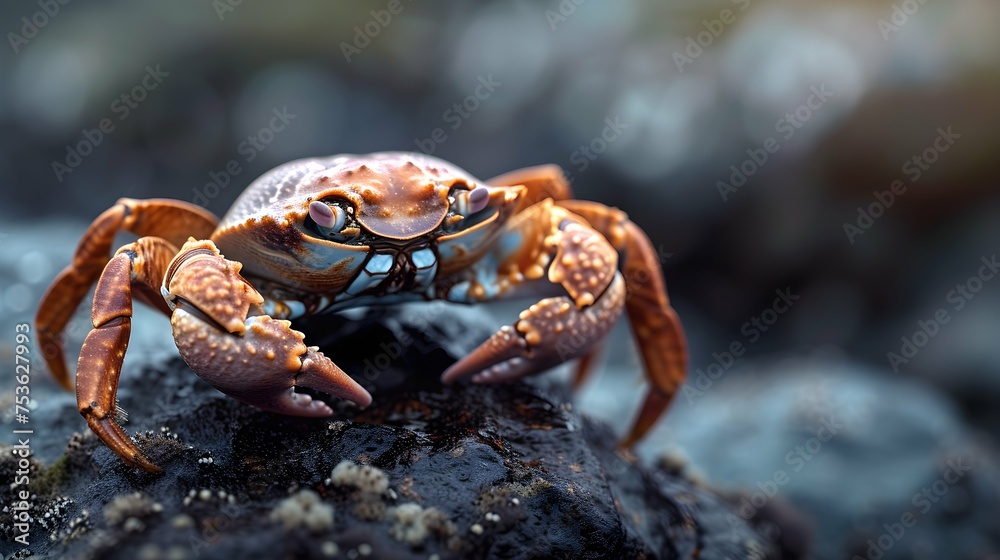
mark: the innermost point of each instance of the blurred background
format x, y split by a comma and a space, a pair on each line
820, 179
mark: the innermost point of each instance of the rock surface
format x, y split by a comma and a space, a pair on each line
427, 471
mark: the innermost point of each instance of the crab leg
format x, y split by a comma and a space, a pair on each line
539, 182
657, 328
137, 265
171, 220
558, 328
223, 335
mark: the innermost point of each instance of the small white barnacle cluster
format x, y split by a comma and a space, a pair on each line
206, 495
366, 478
52, 513
304, 509
368, 485
129, 510
74, 529
412, 523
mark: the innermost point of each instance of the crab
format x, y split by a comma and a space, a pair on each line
321, 235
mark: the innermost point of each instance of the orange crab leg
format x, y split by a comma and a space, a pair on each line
657, 328
171, 220
137, 265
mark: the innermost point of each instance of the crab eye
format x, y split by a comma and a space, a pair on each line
326, 216
332, 221
468, 203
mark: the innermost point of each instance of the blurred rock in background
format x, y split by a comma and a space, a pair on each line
844, 153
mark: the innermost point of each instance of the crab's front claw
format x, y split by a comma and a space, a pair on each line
251, 357
548, 333
264, 365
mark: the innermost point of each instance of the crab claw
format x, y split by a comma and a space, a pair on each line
264, 365
251, 357
548, 333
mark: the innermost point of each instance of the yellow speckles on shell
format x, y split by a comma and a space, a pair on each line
585, 262
534, 272
213, 284
533, 338
269, 354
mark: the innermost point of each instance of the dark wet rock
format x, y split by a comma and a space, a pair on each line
463, 472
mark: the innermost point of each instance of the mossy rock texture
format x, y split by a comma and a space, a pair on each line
469, 471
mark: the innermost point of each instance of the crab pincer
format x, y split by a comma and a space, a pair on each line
223, 335
555, 329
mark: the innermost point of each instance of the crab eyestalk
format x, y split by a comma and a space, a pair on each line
330, 218
468, 203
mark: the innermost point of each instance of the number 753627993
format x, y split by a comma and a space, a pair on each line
22, 371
